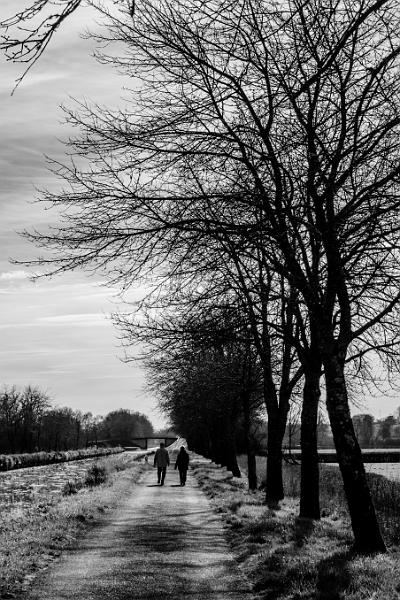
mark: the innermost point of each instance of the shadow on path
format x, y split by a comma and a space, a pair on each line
160, 544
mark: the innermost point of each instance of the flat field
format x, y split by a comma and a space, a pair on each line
389, 470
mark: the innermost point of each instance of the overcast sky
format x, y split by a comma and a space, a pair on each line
55, 333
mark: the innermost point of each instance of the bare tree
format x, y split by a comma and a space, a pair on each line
235, 283
269, 302
10, 421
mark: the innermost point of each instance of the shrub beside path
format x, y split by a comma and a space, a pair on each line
163, 542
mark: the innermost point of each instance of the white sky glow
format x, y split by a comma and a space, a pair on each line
56, 333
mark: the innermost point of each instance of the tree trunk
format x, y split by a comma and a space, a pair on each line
309, 492
367, 535
78, 435
252, 470
217, 454
274, 482
251, 457
230, 458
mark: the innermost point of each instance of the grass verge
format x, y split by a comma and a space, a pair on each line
32, 536
385, 494
287, 558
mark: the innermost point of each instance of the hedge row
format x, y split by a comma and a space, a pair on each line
20, 461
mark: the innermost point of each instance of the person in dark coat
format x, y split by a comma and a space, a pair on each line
161, 461
182, 464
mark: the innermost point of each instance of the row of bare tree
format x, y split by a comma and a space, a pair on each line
28, 423
256, 165
208, 379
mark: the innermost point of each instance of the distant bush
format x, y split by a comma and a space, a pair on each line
72, 487
19, 461
96, 475
100, 472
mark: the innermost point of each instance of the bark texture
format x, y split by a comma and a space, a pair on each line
252, 470
309, 492
274, 479
367, 535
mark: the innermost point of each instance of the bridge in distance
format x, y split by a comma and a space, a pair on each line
142, 442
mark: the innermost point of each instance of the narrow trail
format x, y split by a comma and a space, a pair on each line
164, 542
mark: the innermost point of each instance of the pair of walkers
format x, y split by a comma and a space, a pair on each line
161, 461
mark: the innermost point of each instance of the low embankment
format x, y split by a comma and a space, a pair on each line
35, 459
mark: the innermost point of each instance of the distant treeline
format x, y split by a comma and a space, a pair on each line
28, 423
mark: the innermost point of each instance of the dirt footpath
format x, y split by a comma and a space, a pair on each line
164, 542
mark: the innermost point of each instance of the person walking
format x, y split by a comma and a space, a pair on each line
182, 464
161, 461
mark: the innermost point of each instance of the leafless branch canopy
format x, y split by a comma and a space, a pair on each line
27, 34
270, 131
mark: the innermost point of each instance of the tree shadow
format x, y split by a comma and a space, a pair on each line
303, 528
333, 576
284, 570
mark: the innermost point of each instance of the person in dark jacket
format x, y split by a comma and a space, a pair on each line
161, 461
182, 464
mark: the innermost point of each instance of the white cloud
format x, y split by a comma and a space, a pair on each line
13, 275
23, 353
52, 372
81, 319
43, 78
117, 376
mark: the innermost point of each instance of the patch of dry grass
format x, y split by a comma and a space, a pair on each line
287, 558
385, 493
32, 536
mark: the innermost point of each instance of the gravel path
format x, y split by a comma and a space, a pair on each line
164, 542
